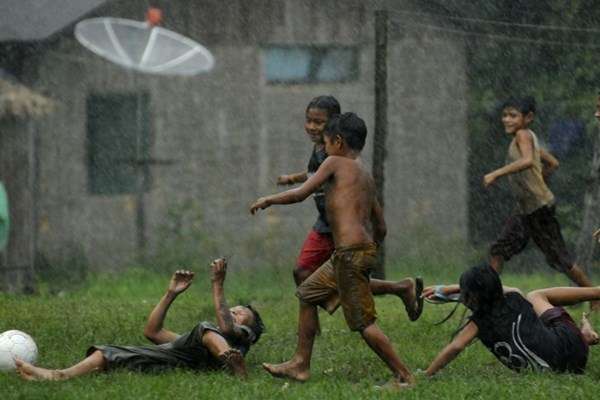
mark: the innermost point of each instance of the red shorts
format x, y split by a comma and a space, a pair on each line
317, 248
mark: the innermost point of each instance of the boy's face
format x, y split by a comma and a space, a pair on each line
597, 113
314, 124
333, 145
242, 315
513, 120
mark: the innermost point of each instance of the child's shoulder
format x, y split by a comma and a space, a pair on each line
525, 134
340, 160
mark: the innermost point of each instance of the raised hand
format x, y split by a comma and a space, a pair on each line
180, 281
218, 270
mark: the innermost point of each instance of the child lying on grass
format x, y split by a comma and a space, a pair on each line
206, 346
531, 332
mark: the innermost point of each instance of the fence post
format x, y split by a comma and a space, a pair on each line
381, 121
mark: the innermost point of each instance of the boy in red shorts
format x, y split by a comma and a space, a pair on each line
318, 246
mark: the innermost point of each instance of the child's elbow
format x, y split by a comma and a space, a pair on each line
150, 335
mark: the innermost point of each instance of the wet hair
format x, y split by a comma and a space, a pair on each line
525, 105
327, 103
481, 288
350, 127
258, 327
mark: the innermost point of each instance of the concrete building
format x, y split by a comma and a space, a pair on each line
208, 145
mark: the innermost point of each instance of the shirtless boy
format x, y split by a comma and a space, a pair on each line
357, 225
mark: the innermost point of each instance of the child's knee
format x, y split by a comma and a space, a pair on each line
535, 295
300, 275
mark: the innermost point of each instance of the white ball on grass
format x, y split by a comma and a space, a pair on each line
17, 344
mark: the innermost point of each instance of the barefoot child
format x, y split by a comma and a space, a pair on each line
318, 246
527, 165
206, 346
357, 225
532, 332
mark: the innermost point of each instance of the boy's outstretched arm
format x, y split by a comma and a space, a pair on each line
430, 291
154, 330
453, 349
525, 145
296, 195
224, 318
549, 162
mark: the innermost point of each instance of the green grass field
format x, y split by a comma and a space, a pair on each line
113, 310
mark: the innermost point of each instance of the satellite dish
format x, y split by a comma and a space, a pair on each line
144, 47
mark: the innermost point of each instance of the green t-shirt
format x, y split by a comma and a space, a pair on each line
4, 220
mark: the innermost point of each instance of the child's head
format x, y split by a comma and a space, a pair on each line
248, 316
517, 113
346, 130
318, 112
480, 288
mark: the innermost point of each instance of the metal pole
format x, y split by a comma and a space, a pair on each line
381, 120
140, 165
28, 285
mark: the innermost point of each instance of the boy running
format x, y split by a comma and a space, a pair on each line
357, 225
527, 166
318, 245
206, 346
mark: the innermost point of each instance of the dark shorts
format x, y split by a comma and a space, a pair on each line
344, 279
541, 226
187, 351
316, 249
570, 342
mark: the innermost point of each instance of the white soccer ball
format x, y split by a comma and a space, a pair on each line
18, 344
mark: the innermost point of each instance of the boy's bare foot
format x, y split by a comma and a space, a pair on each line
32, 373
588, 332
411, 297
394, 385
289, 369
